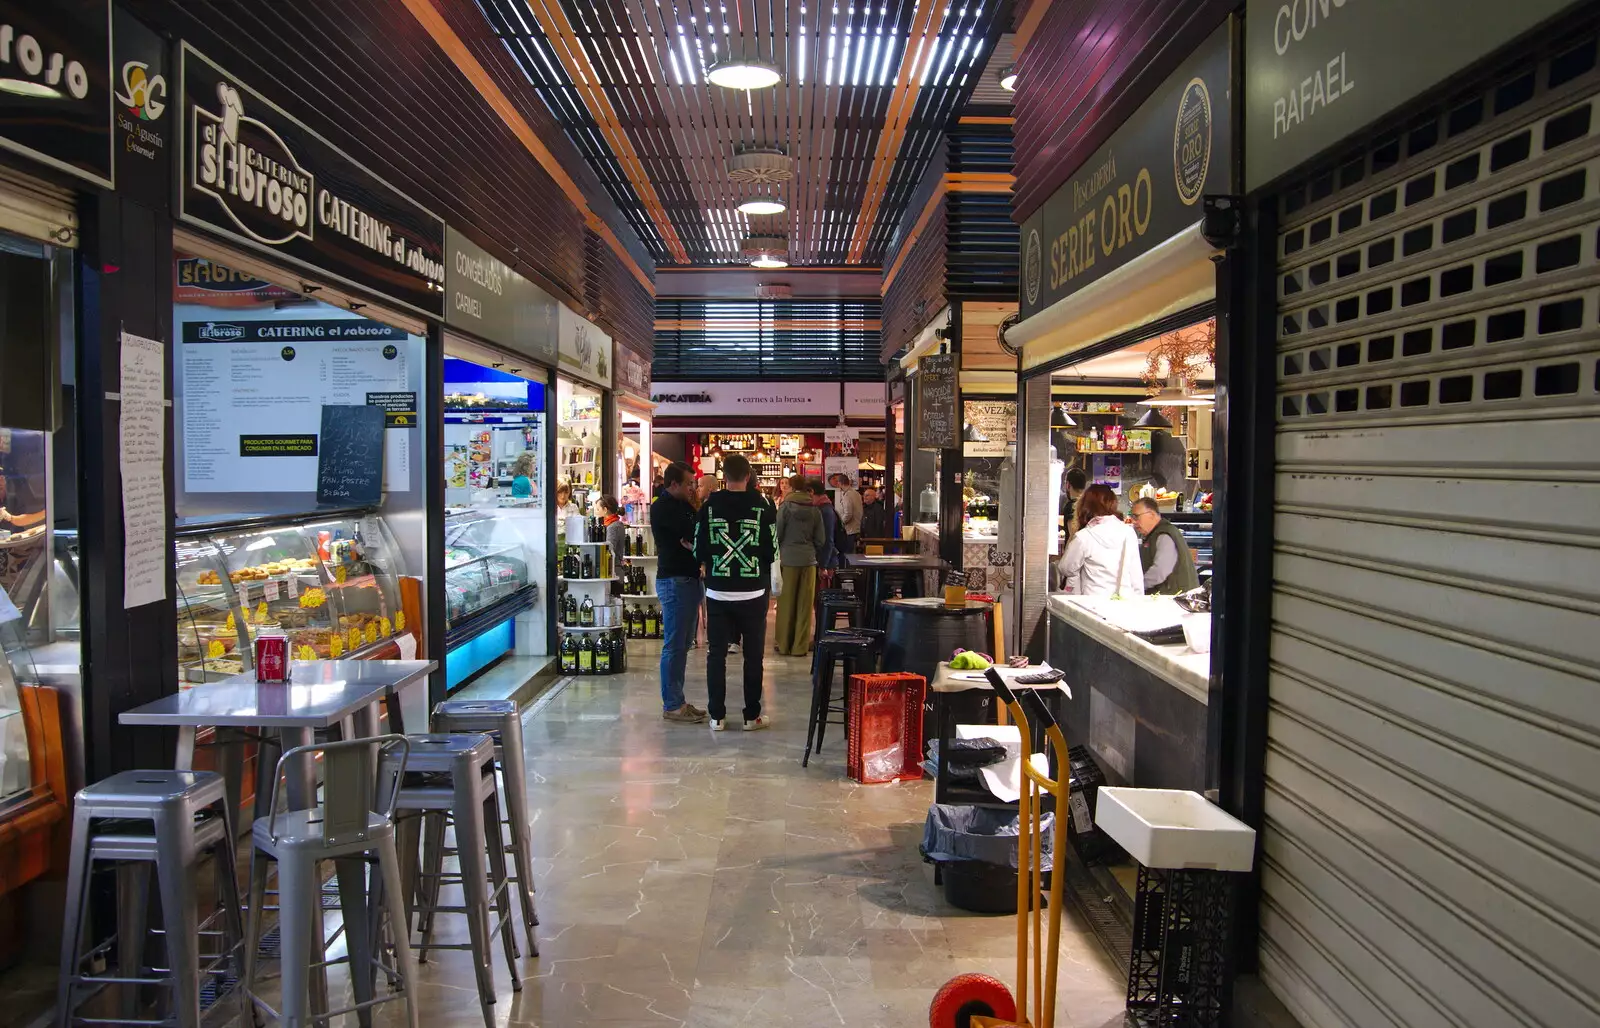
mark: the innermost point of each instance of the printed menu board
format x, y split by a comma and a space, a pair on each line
254, 393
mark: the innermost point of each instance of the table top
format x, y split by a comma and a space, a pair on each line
320, 694
908, 561
947, 679
936, 607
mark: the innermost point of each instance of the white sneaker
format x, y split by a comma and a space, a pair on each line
758, 724
719, 724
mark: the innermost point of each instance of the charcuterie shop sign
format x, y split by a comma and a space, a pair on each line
1140, 189
256, 174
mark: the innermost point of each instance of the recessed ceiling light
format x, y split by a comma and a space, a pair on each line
763, 205
743, 73
1008, 78
768, 262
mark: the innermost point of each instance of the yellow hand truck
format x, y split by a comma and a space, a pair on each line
983, 1001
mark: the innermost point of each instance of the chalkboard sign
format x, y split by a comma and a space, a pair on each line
350, 456
938, 425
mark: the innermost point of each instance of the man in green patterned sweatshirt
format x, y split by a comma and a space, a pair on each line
736, 541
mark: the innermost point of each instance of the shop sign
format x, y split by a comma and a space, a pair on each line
486, 297
142, 115
633, 373
583, 350
746, 399
864, 400
55, 67
253, 173
996, 422
319, 330
205, 282
1140, 189
1318, 71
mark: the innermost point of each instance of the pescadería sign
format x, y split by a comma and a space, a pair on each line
1140, 189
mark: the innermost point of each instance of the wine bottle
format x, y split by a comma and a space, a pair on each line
586, 613
587, 567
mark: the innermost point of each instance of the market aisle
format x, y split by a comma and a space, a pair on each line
694, 879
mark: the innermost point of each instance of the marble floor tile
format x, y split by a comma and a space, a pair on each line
692, 879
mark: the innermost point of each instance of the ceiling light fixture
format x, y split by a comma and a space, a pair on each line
763, 205
743, 73
1059, 418
1008, 78
768, 262
760, 166
1176, 394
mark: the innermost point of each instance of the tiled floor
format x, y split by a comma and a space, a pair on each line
708, 881
687, 878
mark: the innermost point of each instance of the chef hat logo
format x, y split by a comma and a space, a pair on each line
232, 110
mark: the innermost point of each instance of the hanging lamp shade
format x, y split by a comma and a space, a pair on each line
1059, 418
745, 73
1153, 418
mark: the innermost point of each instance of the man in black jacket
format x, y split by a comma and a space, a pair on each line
672, 522
877, 521
736, 541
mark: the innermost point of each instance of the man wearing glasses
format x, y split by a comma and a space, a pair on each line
1164, 552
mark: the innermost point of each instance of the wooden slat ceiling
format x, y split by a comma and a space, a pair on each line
867, 90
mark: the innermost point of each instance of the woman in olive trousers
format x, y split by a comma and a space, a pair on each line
800, 535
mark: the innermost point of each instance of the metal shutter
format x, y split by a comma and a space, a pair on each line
1432, 810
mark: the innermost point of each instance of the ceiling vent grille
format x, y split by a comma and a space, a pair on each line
774, 291
761, 245
761, 167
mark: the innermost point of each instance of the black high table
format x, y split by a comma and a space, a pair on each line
876, 564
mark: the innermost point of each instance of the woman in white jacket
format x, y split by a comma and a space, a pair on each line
1103, 557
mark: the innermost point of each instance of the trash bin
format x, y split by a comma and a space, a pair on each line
1191, 854
975, 849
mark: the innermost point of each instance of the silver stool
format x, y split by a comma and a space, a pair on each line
501, 720
346, 829
171, 819
454, 775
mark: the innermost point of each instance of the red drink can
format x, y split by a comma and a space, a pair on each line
272, 657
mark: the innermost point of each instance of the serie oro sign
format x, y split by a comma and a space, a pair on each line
254, 173
1318, 71
1140, 189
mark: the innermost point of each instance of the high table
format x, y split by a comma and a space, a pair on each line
966, 697
875, 564
920, 632
320, 694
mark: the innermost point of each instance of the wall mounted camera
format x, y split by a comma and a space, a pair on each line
1222, 220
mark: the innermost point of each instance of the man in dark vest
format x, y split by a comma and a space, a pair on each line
1164, 552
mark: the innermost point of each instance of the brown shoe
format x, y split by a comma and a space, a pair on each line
684, 715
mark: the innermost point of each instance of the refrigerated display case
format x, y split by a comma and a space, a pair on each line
328, 579
487, 578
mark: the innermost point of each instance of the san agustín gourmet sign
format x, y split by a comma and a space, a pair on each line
254, 173
1140, 189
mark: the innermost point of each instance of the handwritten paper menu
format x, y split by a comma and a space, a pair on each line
144, 448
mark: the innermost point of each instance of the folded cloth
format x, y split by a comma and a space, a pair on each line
970, 753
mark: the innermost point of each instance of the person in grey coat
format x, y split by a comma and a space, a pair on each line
800, 537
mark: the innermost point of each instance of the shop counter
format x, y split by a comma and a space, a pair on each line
1140, 707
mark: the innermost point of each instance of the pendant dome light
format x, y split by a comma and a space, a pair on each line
1008, 78
747, 73
763, 205
1153, 418
1175, 394
1059, 418
768, 262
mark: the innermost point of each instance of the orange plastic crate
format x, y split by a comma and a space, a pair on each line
885, 711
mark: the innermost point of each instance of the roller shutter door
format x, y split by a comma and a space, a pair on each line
1432, 811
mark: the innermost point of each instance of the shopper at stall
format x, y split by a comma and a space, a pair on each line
1163, 552
847, 504
610, 513
877, 520
1072, 491
799, 538
672, 522
828, 551
565, 507
736, 543
522, 476
1103, 557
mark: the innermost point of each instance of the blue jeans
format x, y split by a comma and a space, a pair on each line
680, 611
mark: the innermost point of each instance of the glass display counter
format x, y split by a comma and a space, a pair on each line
328, 579
488, 578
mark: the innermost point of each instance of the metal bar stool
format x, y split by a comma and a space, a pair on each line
502, 721
454, 774
347, 829
852, 649
833, 604
173, 820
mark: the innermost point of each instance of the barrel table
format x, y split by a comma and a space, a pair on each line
919, 633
